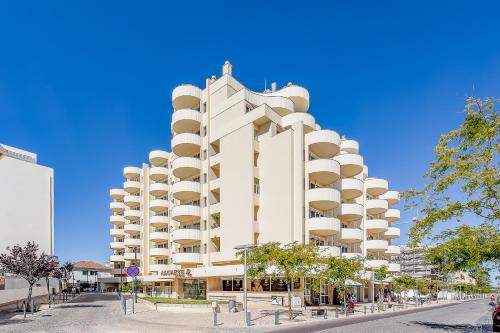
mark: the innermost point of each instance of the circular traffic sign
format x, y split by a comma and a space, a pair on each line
132, 270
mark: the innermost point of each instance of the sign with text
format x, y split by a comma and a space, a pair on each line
177, 272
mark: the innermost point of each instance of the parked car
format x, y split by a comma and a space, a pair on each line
496, 316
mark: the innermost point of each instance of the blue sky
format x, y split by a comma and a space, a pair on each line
87, 85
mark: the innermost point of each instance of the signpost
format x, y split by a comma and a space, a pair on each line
133, 271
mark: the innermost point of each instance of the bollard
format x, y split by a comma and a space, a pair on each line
32, 307
215, 318
24, 309
336, 312
276, 317
364, 309
249, 318
325, 314
373, 308
123, 302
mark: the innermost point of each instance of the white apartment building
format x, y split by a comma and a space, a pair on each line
247, 167
26, 214
26, 200
412, 261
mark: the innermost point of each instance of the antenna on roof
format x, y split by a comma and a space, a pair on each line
265, 84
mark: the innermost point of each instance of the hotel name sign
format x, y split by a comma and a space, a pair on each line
177, 273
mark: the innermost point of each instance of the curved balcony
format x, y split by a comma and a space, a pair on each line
298, 95
131, 186
117, 207
158, 221
350, 212
132, 200
158, 157
349, 146
280, 104
376, 225
117, 220
186, 213
393, 250
323, 226
116, 258
376, 264
158, 205
352, 255
350, 164
185, 167
117, 233
132, 215
132, 242
132, 256
186, 96
351, 235
350, 188
186, 190
292, 118
376, 245
376, 206
329, 251
323, 198
159, 252
392, 197
186, 144
158, 268
158, 174
132, 229
117, 194
323, 143
185, 121
158, 189
392, 215
376, 186
186, 258
158, 236
182, 236
323, 171
392, 232
394, 268
132, 172
117, 245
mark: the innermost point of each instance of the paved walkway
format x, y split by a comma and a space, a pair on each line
102, 313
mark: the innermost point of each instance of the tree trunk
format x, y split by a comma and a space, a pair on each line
290, 301
30, 290
48, 289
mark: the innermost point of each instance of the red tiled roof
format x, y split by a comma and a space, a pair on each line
89, 265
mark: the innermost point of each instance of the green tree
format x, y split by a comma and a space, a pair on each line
404, 283
380, 274
466, 159
338, 270
290, 262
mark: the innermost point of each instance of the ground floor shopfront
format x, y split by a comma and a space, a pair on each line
219, 284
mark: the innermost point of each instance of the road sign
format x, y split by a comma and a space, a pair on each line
132, 270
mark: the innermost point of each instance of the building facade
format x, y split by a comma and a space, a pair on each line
412, 261
246, 168
27, 200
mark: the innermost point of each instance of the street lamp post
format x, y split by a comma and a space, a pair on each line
245, 249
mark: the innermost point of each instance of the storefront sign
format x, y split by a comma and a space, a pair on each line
177, 272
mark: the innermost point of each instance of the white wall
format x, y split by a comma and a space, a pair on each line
26, 204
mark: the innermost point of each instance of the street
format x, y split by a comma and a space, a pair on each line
101, 313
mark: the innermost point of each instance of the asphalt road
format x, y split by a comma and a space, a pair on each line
470, 317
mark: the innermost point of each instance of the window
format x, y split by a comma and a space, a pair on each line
205, 248
204, 131
204, 109
204, 224
204, 178
204, 156
256, 186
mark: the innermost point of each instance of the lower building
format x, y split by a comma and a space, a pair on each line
87, 274
413, 262
247, 167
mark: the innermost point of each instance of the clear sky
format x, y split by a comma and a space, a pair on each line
87, 84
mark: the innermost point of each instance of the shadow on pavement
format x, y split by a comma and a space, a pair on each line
12, 321
454, 328
69, 306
